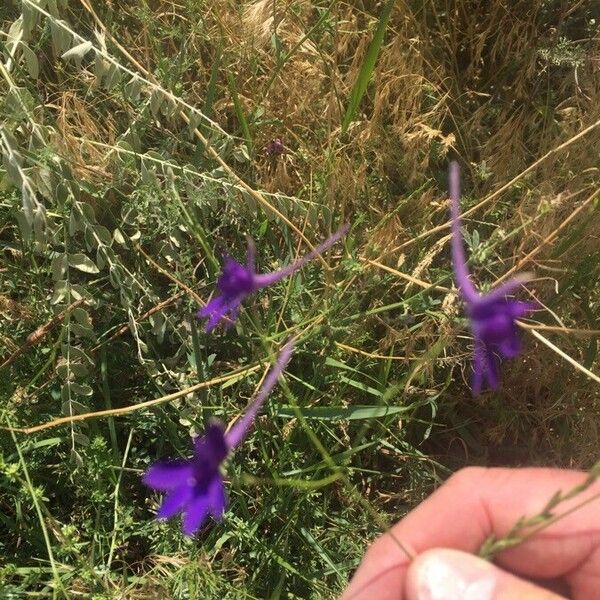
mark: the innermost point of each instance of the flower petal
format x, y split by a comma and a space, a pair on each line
266, 279
166, 475
492, 372
510, 347
215, 305
212, 447
507, 288
216, 497
519, 309
195, 514
174, 502
218, 308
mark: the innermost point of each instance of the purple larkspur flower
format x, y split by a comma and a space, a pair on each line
275, 147
493, 315
237, 281
195, 485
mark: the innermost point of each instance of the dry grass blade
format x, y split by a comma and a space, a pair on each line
551, 236
136, 407
504, 187
40, 333
562, 354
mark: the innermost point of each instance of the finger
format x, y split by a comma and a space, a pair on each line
476, 503
444, 574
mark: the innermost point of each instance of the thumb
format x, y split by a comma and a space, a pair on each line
443, 574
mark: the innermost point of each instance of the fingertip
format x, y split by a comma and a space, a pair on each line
445, 574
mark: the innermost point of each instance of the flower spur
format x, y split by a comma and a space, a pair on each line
195, 486
237, 281
493, 315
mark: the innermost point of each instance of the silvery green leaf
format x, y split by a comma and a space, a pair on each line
100, 260
82, 316
61, 39
113, 77
30, 19
82, 440
90, 240
24, 226
81, 389
82, 332
44, 182
88, 212
59, 266
156, 100
79, 370
195, 120
118, 237
61, 194
74, 222
76, 458
101, 68
31, 61
74, 353
170, 107
82, 263
103, 234
133, 89
11, 166
52, 7
29, 201
148, 174
78, 51
15, 32
39, 226
114, 275
61, 289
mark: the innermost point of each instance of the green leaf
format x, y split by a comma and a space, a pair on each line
342, 413
82, 263
368, 66
361, 386
77, 52
31, 61
59, 267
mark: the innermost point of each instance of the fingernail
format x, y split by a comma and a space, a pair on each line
446, 575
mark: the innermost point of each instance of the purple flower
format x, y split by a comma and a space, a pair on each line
237, 281
195, 486
275, 147
492, 315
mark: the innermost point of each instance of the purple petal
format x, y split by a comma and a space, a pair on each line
266, 279
167, 475
459, 261
216, 497
491, 369
519, 309
507, 288
174, 502
238, 432
212, 447
510, 347
215, 305
220, 312
195, 514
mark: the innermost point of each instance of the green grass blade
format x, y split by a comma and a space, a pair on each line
343, 413
239, 111
368, 66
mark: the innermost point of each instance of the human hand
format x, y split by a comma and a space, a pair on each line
446, 529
